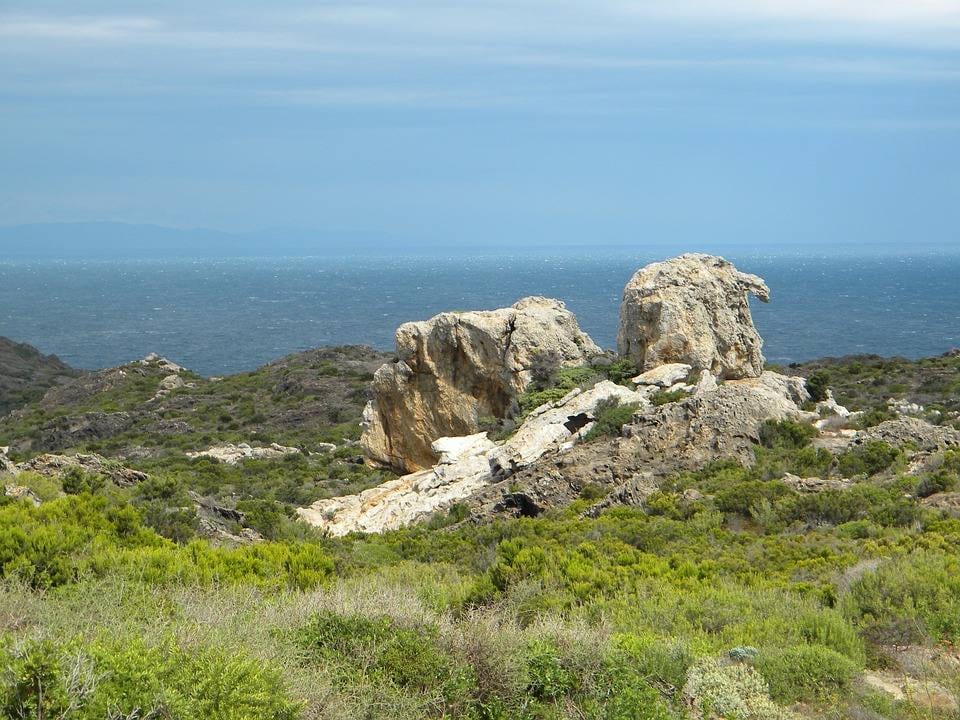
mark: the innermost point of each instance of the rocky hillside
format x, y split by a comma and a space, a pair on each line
152, 406
26, 374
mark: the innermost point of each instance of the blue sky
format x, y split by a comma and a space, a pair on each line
527, 122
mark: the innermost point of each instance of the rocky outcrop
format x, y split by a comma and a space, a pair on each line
716, 421
723, 422
457, 369
73, 430
913, 431
6, 464
58, 465
21, 492
232, 454
815, 484
694, 310
467, 464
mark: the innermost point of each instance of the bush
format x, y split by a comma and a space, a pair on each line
940, 481
128, 679
730, 691
868, 459
806, 672
76, 481
408, 659
742, 497
818, 385
548, 678
664, 397
611, 417
65, 539
908, 599
786, 434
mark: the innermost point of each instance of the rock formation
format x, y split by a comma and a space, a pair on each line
458, 368
467, 464
714, 422
692, 309
232, 454
57, 465
721, 422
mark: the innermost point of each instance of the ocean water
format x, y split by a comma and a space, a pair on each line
224, 316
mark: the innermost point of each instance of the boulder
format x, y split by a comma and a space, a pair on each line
665, 375
232, 454
57, 465
6, 464
694, 310
466, 465
713, 424
815, 484
21, 492
457, 369
909, 430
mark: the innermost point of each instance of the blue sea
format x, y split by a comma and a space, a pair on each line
224, 316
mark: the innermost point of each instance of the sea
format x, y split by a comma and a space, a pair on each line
229, 315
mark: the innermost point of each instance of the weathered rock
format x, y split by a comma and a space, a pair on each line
18, 492
949, 502
724, 422
922, 435
6, 464
815, 484
664, 375
551, 424
467, 465
72, 430
56, 465
458, 368
168, 385
161, 362
694, 310
232, 454
716, 422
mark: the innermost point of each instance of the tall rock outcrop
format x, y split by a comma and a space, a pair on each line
692, 309
457, 368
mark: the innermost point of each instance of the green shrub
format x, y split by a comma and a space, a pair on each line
620, 372
548, 678
786, 434
742, 497
940, 481
818, 385
875, 416
65, 539
806, 672
76, 481
611, 417
128, 679
730, 691
908, 599
665, 663
408, 659
868, 459
664, 397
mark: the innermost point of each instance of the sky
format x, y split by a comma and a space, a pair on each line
530, 122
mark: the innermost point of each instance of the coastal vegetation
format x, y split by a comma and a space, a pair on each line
729, 583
